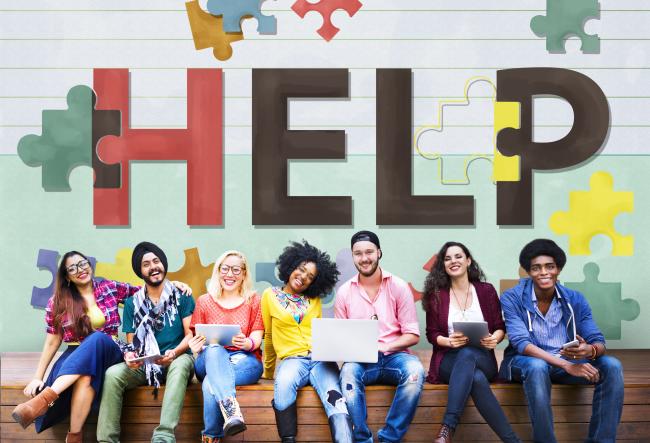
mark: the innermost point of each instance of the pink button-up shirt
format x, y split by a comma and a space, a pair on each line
394, 306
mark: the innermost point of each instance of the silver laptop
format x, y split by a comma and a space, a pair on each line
344, 340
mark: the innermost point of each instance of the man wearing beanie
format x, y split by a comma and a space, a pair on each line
156, 322
375, 293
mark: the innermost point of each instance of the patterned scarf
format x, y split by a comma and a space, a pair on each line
149, 318
295, 304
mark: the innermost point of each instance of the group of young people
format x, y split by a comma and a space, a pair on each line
552, 338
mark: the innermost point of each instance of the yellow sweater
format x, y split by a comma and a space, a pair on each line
283, 336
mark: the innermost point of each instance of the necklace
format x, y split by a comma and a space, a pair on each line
463, 309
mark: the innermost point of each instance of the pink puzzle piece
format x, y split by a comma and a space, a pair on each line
200, 145
326, 8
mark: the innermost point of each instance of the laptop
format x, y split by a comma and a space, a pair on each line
344, 340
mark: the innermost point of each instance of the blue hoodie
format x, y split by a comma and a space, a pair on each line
518, 312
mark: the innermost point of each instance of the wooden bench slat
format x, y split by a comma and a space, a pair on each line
320, 433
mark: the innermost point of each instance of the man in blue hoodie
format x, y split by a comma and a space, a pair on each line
553, 338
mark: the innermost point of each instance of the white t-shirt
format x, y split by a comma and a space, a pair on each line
473, 313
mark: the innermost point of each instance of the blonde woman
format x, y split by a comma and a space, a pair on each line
230, 300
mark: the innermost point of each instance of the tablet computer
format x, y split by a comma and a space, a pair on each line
474, 330
218, 334
145, 359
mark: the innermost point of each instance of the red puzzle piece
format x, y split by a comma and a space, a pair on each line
428, 266
325, 8
200, 145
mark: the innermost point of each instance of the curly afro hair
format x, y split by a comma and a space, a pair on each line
438, 278
297, 253
541, 246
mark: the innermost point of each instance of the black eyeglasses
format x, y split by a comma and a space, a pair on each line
78, 267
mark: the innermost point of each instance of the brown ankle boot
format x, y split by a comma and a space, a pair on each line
26, 413
444, 434
208, 439
74, 437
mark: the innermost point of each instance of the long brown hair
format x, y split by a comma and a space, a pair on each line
438, 278
69, 307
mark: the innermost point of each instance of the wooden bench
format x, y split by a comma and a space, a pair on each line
571, 408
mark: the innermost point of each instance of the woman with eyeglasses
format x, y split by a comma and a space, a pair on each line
455, 291
231, 300
308, 274
83, 313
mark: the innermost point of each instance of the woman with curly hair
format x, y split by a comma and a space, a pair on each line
455, 290
230, 300
308, 274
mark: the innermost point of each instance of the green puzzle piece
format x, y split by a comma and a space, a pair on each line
65, 141
605, 300
565, 18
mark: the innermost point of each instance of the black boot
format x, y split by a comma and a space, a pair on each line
341, 428
286, 422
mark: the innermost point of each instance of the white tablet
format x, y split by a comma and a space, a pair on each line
474, 330
218, 334
145, 359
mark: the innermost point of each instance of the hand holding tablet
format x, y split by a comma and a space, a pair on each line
473, 330
218, 334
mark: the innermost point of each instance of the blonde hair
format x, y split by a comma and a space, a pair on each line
246, 289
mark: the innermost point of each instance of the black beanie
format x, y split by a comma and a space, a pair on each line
365, 236
140, 250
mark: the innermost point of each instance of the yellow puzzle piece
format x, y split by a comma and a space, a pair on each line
504, 168
193, 273
593, 212
207, 31
121, 270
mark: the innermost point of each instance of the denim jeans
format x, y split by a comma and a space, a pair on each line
296, 372
220, 370
119, 378
468, 371
537, 375
400, 369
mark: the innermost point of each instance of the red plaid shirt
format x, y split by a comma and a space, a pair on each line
108, 294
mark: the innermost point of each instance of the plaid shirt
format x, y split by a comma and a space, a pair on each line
108, 294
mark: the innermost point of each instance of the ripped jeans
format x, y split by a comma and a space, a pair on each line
399, 369
296, 372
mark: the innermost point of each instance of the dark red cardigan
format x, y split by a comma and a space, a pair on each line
438, 313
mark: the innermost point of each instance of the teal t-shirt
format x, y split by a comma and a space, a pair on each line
169, 336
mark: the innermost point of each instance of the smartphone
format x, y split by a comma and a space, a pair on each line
570, 344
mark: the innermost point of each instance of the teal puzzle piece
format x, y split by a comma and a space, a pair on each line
607, 307
565, 18
234, 11
65, 142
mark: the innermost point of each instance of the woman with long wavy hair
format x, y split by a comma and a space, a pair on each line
455, 290
82, 313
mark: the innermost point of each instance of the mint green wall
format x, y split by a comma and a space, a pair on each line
33, 219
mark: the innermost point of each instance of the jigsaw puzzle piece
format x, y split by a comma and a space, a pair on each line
65, 142
265, 272
508, 283
428, 266
504, 168
326, 8
193, 273
607, 306
592, 213
207, 32
49, 260
234, 11
121, 270
566, 18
